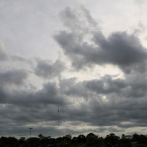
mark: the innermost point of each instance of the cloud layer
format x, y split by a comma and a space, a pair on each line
31, 90
119, 48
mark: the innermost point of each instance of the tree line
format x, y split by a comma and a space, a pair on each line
90, 140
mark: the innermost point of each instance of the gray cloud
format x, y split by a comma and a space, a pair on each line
133, 86
48, 95
16, 77
106, 85
118, 48
47, 69
105, 104
78, 20
89, 105
94, 88
122, 98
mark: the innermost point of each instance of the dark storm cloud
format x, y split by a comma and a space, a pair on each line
118, 48
136, 86
11, 115
48, 95
85, 89
71, 88
3, 94
132, 86
16, 77
41, 105
123, 99
106, 85
106, 115
19, 108
46, 69
8, 80
108, 103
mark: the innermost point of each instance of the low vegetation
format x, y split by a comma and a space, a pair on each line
90, 140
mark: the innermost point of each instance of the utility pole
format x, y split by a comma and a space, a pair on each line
30, 135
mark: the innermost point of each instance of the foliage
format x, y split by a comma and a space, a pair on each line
91, 140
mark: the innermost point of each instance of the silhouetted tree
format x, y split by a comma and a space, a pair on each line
112, 139
91, 140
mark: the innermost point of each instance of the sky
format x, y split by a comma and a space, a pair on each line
86, 57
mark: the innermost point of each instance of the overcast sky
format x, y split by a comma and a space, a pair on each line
86, 57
